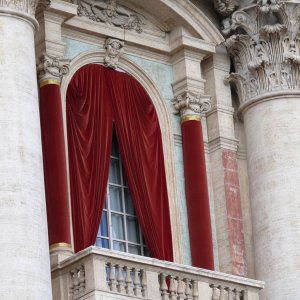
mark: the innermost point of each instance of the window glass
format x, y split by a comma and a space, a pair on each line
119, 228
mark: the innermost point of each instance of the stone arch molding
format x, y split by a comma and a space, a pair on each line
126, 65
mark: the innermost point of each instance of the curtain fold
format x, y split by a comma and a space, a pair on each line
140, 143
96, 97
89, 126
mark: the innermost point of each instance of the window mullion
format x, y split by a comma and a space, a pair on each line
123, 205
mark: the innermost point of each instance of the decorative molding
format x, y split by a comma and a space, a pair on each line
226, 7
52, 68
25, 6
264, 43
114, 50
189, 104
109, 12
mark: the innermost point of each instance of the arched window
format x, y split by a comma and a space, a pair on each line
99, 99
119, 227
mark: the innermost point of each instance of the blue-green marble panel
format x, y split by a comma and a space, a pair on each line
74, 48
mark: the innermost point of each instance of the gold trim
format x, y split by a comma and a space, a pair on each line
60, 245
49, 81
190, 118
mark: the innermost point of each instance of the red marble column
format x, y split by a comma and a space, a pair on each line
196, 190
55, 171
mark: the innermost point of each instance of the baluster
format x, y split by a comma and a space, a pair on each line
180, 289
136, 283
128, 282
188, 291
244, 295
163, 287
81, 278
120, 279
71, 284
237, 295
76, 282
215, 292
144, 283
230, 294
172, 288
195, 290
222, 293
112, 278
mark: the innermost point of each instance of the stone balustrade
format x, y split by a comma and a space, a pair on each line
101, 274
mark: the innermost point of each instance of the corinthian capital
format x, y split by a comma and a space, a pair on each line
24, 6
263, 39
191, 104
52, 68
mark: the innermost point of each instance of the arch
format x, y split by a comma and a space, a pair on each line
197, 19
165, 123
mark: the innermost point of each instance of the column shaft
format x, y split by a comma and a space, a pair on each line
197, 195
24, 252
55, 171
273, 139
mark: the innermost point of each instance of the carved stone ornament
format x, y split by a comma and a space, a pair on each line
25, 6
51, 67
226, 7
109, 12
114, 50
189, 103
263, 40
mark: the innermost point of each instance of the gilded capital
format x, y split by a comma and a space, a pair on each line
52, 68
191, 104
263, 39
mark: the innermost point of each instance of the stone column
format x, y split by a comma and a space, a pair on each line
51, 70
190, 106
265, 48
24, 250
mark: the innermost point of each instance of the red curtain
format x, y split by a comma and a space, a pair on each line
89, 125
105, 96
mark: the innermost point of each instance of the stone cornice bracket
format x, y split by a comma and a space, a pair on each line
114, 50
226, 7
191, 104
111, 13
51, 69
264, 43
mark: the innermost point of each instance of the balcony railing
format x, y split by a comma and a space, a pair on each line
101, 274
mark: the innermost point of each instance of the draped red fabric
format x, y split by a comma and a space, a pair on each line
89, 126
140, 141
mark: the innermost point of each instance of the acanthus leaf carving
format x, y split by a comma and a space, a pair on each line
264, 43
25, 6
114, 50
109, 12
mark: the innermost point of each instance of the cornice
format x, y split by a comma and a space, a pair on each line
263, 40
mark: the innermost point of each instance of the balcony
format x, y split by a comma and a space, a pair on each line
99, 274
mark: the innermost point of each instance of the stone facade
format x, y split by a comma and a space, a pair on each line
242, 79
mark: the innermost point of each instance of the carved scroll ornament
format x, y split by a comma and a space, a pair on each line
226, 7
189, 103
51, 67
